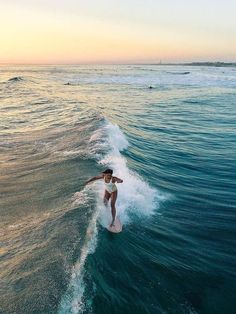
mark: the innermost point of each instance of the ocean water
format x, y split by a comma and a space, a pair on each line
174, 145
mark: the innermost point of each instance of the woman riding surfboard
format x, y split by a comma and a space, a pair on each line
110, 190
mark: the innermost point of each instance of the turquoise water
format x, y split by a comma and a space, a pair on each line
173, 145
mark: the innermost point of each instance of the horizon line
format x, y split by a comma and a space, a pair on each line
126, 63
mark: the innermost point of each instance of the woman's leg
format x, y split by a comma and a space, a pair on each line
113, 208
106, 197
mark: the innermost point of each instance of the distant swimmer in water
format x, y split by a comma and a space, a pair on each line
110, 190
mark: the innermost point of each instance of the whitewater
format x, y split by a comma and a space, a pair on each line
136, 197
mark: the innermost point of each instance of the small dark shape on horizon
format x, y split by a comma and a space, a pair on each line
191, 101
215, 64
179, 73
15, 79
71, 84
150, 87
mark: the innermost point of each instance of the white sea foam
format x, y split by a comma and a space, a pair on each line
166, 76
135, 198
73, 301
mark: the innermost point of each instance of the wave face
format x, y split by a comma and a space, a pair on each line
136, 199
173, 145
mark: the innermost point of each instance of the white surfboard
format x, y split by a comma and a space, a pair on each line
117, 226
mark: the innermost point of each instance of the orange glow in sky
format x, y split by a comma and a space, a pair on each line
116, 31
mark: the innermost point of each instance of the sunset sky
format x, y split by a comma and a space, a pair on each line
117, 31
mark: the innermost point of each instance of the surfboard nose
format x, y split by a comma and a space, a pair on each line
117, 227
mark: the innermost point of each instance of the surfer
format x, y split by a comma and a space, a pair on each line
110, 190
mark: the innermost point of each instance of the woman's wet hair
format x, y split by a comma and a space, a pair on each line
108, 171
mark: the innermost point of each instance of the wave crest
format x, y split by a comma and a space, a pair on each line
135, 198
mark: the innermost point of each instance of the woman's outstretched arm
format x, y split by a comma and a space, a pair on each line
118, 180
94, 179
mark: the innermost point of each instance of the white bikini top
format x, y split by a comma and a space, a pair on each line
110, 186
